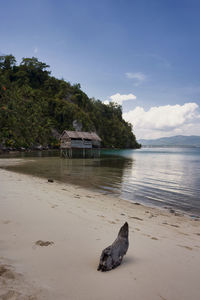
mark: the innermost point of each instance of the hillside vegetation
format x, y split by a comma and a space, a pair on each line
33, 104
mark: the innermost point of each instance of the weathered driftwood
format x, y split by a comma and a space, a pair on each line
112, 256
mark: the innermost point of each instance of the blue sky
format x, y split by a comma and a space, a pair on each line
142, 54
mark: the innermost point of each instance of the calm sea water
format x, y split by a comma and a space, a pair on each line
154, 176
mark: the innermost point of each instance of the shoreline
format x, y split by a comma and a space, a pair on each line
162, 261
7, 162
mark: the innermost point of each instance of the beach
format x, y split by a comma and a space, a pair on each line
52, 235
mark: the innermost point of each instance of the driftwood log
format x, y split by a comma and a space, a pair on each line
112, 256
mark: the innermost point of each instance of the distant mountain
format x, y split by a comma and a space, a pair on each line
178, 140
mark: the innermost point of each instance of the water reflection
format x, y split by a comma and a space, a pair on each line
105, 174
169, 177
154, 176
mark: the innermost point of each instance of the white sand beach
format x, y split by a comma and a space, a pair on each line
162, 262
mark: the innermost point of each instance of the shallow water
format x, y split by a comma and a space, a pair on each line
154, 176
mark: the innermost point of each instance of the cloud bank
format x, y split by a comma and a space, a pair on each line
166, 120
119, 99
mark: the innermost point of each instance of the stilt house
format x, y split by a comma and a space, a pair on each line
80, 144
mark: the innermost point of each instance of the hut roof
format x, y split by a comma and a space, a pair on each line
81, 135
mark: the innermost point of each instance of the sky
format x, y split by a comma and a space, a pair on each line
142, 54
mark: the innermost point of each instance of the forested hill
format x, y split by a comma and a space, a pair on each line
34, 104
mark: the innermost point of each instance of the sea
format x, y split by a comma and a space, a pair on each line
159, 176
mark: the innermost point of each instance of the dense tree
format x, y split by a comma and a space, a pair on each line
7, 62
32, 103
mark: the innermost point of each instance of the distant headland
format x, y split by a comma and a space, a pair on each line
178, 140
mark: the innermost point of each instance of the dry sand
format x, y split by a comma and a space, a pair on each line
52, 235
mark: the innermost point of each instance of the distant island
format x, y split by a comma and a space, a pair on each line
178, 140
36, 107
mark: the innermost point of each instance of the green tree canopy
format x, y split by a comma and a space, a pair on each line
32, 103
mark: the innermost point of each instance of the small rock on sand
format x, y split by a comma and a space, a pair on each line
6, 272
50, 180
43, 243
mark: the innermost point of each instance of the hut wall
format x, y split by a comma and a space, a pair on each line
65, 143
87, 144
81, 144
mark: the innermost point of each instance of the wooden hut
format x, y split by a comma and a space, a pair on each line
79, 144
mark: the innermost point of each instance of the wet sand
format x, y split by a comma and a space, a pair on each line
52, 235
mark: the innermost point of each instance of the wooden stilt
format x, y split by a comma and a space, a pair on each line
80, 152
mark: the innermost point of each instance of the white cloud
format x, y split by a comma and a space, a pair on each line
35, 50
106, 102
164, 120
138, 77
119, 99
